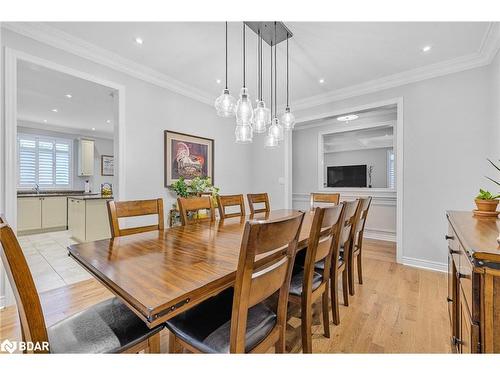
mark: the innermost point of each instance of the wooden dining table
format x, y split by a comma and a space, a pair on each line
160, 274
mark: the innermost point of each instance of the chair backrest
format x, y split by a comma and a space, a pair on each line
324, 238
224, 201
256, 282
256, 199
361, 215
349, 225
194, 205
118, 210
28, 303
332, 198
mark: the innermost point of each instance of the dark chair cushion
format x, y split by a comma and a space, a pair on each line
298, 281
321, 264
207, 326
108, 327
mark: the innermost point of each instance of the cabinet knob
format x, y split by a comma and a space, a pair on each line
448, 237
448, 299
453, 251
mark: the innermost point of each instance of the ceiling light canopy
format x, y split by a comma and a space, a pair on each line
347, 118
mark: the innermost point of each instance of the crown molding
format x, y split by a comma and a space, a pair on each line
59, 39
485, 54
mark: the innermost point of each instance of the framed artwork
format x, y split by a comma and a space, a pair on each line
107, 165
187, 156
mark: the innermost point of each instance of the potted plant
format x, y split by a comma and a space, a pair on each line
194, 187
486, 202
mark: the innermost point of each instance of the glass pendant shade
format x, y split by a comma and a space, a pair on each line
261, 117
271, 141
244, 110
243, 133
288, 119
225, 104
276, 130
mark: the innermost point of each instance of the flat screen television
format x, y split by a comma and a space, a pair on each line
346, 176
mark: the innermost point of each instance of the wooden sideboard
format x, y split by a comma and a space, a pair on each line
473, 282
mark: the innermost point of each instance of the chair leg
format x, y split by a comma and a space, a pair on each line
154, 343
334, 292
279, 347
173, 345
350, 272
306, 327
326, 315
360, 269
345, 286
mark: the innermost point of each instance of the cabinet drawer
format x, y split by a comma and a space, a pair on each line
469, 331
465, 278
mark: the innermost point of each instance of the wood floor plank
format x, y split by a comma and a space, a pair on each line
398, 309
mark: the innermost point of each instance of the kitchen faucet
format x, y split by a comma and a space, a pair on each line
37, 188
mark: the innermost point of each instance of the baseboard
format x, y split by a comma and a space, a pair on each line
382, 235
2, 302
426, 264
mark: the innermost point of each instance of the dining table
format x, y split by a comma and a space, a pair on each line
160, 274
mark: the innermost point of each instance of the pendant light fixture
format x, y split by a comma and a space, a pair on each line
226, 103
276, 130
244, 110
271, 141
288, 118
261, 115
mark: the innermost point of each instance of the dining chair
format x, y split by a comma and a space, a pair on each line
188, 206
260, 198
340, 259
125, 209
307, 284
224, 201
357, 243
325, 198
241, 319
108, 327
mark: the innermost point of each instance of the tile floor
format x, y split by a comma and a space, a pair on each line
49, 262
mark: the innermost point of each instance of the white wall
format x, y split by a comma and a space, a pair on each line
376, 157
447, 131
149, 110
102, 146
495, 123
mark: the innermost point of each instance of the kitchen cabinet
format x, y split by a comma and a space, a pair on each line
85, 157
41, 213
88, 219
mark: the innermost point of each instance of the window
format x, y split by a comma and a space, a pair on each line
44, 161
391, 173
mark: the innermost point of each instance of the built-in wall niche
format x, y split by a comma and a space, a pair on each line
361, 158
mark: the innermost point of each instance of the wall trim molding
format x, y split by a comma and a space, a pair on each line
379, 198
380, 234
59, 39
426, 264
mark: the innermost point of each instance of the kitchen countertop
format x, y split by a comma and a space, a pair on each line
90, 196
59, 193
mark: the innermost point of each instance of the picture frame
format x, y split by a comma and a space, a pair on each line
187, 156
107, 165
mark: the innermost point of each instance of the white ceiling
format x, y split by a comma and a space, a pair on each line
40, 90
342, 53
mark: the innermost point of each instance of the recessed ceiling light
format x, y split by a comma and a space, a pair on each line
426, 48
108, 121
55, 110
93, 128
347, 118
218, 81
139, 40
321, 80
69, 96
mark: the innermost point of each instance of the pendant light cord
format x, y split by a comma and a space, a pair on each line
226, 55
244, 56
259, 77
287, 75
272, 79
275, 74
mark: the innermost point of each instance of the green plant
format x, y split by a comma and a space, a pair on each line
497, 168
180, 187
195, 186
486, 195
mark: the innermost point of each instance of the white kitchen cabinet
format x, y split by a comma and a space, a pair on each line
85, 157
88, 219
54, 212
29, 213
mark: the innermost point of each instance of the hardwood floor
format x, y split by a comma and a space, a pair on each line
398, 309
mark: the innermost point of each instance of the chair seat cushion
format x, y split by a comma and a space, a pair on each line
321, 264
297, 282
207, 326
108, 327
